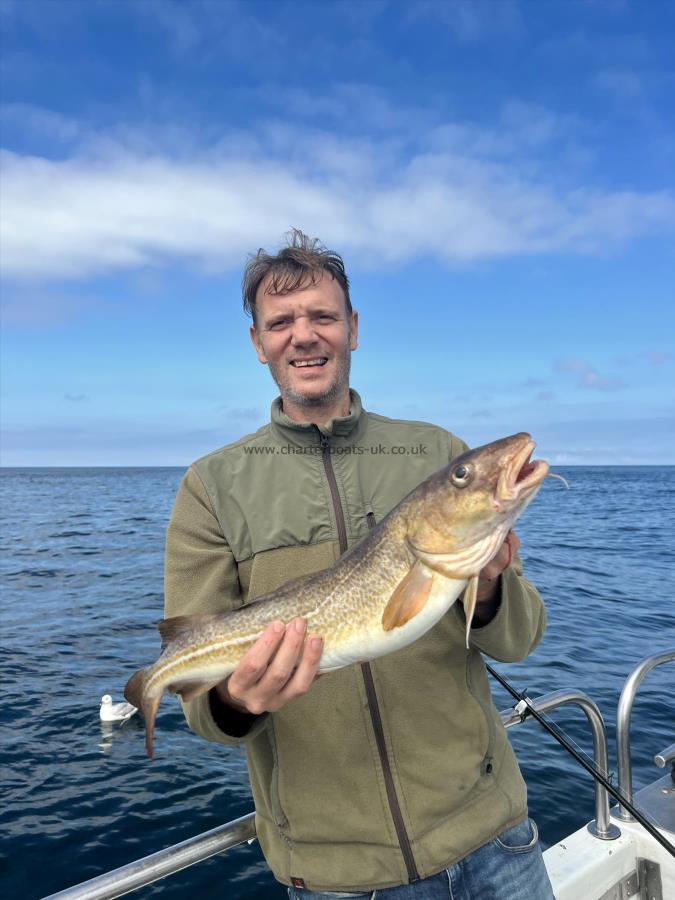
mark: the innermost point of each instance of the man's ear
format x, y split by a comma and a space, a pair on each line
257, 343
354, 331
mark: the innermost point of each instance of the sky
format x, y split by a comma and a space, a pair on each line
497, 174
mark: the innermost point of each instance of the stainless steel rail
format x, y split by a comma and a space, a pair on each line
623, 724
602, 827
158, 865
165, 862
665, 756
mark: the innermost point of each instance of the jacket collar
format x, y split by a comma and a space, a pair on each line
348, 427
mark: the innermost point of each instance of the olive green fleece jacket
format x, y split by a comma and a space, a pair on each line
382, 773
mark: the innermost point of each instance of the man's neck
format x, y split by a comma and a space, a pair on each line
317, 414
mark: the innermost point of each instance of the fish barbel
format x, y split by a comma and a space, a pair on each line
383, 594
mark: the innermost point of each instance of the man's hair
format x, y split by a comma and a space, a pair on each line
303, 261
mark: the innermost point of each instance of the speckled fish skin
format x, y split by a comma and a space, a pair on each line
381, 595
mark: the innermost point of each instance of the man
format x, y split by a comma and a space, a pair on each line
394, 776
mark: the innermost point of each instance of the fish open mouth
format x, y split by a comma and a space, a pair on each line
521, 474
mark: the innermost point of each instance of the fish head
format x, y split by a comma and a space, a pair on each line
463, 513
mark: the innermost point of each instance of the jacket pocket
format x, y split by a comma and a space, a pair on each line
275, 801
486, 709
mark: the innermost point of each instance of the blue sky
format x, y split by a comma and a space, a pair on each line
497, 175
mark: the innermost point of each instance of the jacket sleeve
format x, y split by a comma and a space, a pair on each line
201, 577
520, 621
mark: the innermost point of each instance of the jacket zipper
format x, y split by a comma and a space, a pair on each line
371, 694
376, 718
394, 806
332, 484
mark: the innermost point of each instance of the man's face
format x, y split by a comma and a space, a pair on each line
306, 338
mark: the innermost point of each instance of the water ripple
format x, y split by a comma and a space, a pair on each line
79, 619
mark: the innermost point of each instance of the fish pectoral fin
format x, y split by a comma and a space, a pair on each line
469, 602
189, 690
409, 598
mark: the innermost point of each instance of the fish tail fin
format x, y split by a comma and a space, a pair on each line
136, 693
135, 687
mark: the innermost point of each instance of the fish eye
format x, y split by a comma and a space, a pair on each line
461, 476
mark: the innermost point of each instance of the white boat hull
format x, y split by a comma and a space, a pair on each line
582, 867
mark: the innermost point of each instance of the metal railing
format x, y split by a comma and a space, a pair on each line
179, 856
166, 862
601, 827
623, 714
665, 756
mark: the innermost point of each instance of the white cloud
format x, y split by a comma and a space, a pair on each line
587, 375
469, 21
124, 204
659, 357
653, 357
33, 120
206, 29
622, 83
28, 306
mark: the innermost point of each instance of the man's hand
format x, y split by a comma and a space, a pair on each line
280, 666
489, 576
487, 600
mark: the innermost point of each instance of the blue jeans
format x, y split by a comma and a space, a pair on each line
509, 867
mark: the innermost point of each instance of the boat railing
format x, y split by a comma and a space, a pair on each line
623, 714
179, 856
665, 756
165, 862
600, 827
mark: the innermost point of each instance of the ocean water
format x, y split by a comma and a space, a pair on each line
81, 566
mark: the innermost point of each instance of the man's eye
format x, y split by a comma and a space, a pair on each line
325, 318
278, 324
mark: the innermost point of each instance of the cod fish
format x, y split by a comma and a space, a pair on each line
383, 594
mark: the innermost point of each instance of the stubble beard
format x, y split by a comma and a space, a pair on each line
340, 382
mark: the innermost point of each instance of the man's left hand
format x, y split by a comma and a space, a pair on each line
488, 579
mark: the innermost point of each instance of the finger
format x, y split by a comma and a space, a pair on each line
254, 662
306, 673
498, 563
285, 660
514, 542
491, 571
508, 552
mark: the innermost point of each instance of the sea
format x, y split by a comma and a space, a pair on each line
81, 567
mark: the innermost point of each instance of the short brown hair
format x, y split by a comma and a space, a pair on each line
301, 262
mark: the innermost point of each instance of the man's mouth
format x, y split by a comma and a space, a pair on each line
308, 363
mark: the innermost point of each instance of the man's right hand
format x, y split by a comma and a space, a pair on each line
280, 666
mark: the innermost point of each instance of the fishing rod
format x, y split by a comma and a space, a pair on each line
522, 697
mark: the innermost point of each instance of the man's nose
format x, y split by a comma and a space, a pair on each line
303, 331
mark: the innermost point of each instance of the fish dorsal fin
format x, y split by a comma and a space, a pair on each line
409, 598
469, 602
178, 627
